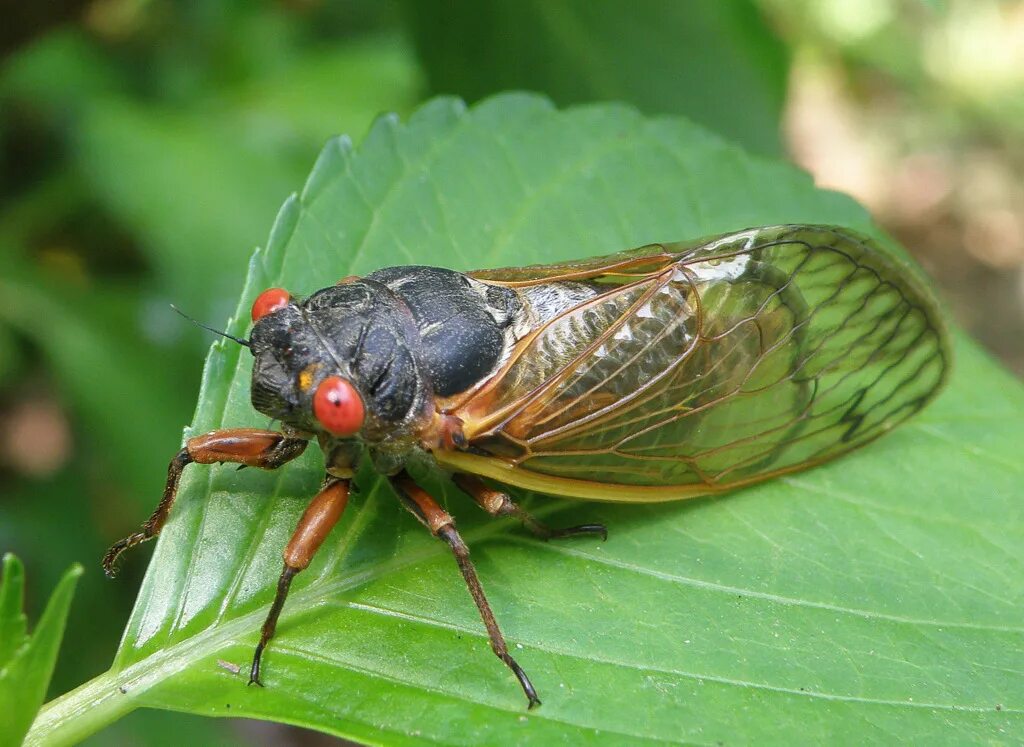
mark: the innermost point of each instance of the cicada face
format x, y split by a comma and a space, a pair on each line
338, 363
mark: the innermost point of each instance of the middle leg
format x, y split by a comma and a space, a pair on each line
442, 526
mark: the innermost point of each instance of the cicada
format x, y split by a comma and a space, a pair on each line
661, 373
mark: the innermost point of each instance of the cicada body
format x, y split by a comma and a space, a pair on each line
660, 373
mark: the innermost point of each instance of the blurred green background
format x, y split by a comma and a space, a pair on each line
146, 146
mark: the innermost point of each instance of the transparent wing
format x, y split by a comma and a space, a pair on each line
721, 363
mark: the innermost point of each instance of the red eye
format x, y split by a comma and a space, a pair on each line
338, 406
269, 301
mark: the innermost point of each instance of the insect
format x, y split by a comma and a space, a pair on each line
662, 373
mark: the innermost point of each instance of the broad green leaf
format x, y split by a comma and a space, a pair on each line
151, 728
27, 661
717, 63
875, 599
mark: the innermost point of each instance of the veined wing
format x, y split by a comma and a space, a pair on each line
695, 368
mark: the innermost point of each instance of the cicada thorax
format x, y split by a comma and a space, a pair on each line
463, 327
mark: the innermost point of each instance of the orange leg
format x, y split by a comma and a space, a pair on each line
249, 447
316, 523
442, 526
497, 503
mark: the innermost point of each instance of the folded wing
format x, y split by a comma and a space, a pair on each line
696, 368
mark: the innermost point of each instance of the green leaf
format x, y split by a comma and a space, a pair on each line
27, 661
876, 598
717, 63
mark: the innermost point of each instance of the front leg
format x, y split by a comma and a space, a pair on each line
250, 447
316, 523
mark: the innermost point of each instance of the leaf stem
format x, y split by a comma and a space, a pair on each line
79, 713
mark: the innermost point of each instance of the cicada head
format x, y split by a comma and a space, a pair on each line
339, 363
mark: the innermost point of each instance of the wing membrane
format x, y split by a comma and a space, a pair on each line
696, 368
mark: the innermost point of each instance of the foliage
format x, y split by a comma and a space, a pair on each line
145, 147
27, 661
707, 61
831, 605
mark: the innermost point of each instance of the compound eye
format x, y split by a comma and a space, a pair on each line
269, 301
338, 406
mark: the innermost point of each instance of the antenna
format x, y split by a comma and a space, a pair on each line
211, 329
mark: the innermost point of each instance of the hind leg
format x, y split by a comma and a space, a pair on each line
497, 503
